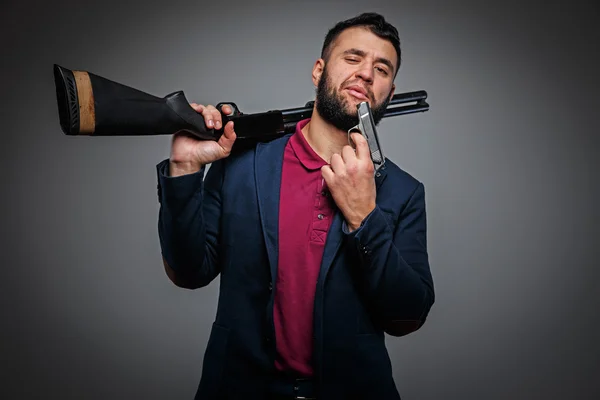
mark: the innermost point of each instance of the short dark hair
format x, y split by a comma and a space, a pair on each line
376, 23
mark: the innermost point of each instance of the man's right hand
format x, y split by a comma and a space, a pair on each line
189, 154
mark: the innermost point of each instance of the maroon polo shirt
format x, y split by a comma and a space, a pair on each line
305, 214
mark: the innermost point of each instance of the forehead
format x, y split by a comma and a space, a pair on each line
363, 39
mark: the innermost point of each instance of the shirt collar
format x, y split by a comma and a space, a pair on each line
307, 156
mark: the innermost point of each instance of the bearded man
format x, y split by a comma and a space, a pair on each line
319, 255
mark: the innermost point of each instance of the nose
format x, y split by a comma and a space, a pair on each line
365, 72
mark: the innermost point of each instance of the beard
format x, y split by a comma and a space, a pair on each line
332, 106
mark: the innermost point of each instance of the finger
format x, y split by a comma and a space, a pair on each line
229, 131
228, 137
197, 107
226, 109
337, 164
216, 118
362, 147
208, 114
327, 174
348, 154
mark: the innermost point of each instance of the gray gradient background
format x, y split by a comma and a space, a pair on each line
508, 154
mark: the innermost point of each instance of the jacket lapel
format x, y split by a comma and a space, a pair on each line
268, 164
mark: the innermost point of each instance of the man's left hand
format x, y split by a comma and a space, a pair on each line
350, 178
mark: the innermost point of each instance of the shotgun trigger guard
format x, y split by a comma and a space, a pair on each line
234, 107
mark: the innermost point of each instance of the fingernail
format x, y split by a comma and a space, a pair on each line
210, 123
217, 124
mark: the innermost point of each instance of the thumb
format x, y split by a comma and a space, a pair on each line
228, 137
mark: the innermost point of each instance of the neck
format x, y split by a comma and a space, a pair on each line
324, 138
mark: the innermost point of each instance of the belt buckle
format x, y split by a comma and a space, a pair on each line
296, 388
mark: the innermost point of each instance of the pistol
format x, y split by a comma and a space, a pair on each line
366, 127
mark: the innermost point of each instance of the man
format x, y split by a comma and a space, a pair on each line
318, 255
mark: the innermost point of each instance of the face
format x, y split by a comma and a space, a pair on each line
361, 67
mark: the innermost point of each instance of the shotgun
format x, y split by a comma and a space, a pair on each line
89, 104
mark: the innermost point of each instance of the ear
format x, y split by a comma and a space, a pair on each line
392, 91
317, 71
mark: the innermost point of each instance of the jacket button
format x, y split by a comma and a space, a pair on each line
270, 286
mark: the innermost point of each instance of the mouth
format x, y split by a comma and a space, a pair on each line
358, 92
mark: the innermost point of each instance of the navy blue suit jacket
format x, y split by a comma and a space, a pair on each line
373, 280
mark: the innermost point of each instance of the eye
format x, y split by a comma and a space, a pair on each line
382, 70
352, 59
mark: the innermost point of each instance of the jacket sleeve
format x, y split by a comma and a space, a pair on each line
393, 266
188, 223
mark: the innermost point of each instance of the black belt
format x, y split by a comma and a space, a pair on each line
283, 388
